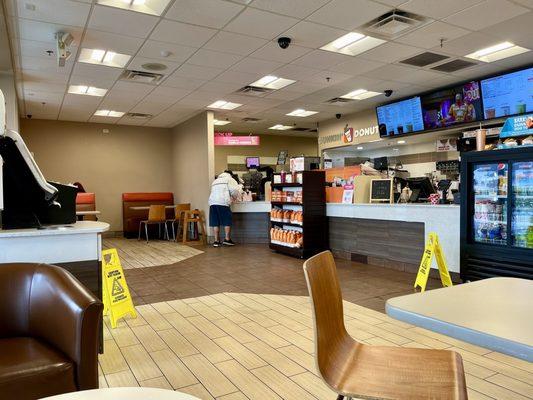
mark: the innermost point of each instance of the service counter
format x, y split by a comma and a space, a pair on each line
390, 235
76, 247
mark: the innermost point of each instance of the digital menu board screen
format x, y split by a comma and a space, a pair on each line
508, 94
400, 118
452, 106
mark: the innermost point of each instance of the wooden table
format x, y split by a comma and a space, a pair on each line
495, 313
81, 214
120, 393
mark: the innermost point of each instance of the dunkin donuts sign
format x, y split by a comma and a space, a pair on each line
349, 135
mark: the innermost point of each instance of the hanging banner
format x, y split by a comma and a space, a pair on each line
237, 140
432, 248
116, 295
517, 126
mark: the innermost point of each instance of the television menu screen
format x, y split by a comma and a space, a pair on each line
452, 106
508, 94
400, 118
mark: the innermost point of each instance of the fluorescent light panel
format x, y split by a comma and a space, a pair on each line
224, 105
352, 44
220, 122
109, 113
87, 90
153, 7
280, 127
103, 57
360, 94
301, 113
497, 52
272, 82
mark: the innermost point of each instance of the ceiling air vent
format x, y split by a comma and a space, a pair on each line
300, 129
139, 115
141, 76
254, 91
454, 65
395, 23
251, 120
339, 101
423, 59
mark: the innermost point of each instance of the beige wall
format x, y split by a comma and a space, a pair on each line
270, 147
364, 123
127, 159
193, 160
7, 86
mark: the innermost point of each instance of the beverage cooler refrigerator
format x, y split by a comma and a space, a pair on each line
497, 214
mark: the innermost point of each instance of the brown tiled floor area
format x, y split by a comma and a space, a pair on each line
256, 269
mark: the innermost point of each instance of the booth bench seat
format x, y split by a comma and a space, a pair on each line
131, 218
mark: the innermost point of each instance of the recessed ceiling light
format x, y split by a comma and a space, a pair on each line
153, 7
109, 113
272, 82
280, 127
103, 57
395, 149
301, 113
359, 147
220, 122
224, 105
401, 141
360, 94
497, 52
352, 44
87, 90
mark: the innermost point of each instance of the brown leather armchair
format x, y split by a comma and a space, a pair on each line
49, 332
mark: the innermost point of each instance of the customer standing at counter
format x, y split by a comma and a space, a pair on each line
224, 190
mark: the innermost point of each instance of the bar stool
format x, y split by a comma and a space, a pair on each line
195, 217
156, 215
179, 214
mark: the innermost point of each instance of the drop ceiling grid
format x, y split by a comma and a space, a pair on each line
319, 15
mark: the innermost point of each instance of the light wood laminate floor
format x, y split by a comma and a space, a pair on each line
238, 346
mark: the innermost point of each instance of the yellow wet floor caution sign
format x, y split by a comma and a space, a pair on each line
116, 295
432, 248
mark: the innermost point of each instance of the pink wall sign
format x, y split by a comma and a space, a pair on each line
236, 140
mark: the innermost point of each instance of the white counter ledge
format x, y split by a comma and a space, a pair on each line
251, 207
78, 227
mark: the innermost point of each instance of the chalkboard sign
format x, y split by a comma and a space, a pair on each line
381, 191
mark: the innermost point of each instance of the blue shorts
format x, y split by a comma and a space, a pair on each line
219, 216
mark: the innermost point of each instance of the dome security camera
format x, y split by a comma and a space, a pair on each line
338, 116
388, 92
284, 42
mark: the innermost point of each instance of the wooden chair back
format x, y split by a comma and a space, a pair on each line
328, 316
180, 208
156, 213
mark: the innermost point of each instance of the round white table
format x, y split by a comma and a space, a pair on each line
119, 393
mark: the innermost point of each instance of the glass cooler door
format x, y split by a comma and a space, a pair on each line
522, 205
490, 203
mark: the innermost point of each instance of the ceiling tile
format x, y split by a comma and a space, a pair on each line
45, 87
46, 64
33, 48
517, 30
45, 32
209, 58
327, 78
111, 19
96, 71
221, 88
132, 87
182, 82
56, 11
35, 75
180, 33
166, 92
437, 9
272, 52
356, 66
296, 72
348, 14
430, 35
321, 59
137, 64
234, 43
391, 52
239, 77
176, 52
293, 8
467, 44
111, 41
197, 72
309, 34
260, 23
484, 14
255, 65
91, 81
210, 13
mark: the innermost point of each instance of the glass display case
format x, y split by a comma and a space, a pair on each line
522, 207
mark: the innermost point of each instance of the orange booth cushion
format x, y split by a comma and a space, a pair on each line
156, 196
85, 198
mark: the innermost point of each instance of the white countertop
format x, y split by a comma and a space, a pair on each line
251, 207
79, 227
